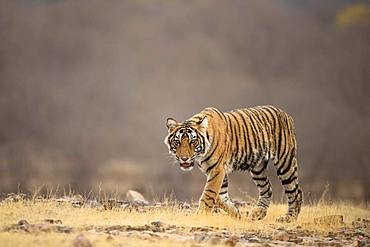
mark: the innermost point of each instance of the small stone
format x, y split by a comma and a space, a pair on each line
23, 222
114, 232
199, 237
81, 241
140, 203
232, 241
133, 195
77, 204
253, 240
110, 238
64, 229
282, 236
156, 223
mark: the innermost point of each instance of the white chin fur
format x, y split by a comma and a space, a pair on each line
187, 169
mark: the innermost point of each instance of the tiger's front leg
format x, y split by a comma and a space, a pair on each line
224, 201
211, 190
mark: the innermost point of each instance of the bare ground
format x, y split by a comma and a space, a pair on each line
73, 221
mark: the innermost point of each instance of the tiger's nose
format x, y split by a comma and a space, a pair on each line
184, 158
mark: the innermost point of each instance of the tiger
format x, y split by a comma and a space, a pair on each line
239, 140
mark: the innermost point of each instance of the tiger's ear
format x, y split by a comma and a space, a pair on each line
171, 123
203, 122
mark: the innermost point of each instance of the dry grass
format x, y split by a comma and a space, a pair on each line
80, 218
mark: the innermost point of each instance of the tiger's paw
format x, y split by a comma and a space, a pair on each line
286, 218
203, 210
257, 213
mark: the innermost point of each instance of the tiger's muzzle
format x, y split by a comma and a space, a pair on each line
187, 166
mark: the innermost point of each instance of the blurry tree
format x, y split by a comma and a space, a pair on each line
354, 15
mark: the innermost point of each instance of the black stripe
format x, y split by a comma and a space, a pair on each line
295, 198
260, 171
229, 126
220, 114
262, 204
275, 127
209, 155
205, 203
254, 130
245, 135
291, 178
271, 115
211, 167
218, 161
289, 163
263, 185
222, 192
263, 130
280, 170
203, 141
225, 183
209, 180
212, 191
241, 141
258, 130
249, 140
210, 198
259, 179
235, 154
292, 190
263, 193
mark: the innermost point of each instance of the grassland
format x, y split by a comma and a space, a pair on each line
51, 222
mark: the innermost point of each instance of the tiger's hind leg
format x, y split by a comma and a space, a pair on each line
259, 176
224, 201
288, 174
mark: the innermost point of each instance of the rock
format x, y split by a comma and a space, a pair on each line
157, 223
81, 241
200, 237
232, 241
133, 195
140, 203
23, 222
64, 229
77, 203
114, 232
282, 236
253, 240
332, 220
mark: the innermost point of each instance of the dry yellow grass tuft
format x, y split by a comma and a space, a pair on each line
88, 221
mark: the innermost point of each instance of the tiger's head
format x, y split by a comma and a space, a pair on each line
187, 141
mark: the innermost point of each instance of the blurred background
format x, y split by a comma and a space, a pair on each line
86, 86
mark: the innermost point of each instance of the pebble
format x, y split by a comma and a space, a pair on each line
156, 223
282, 236
81, 241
